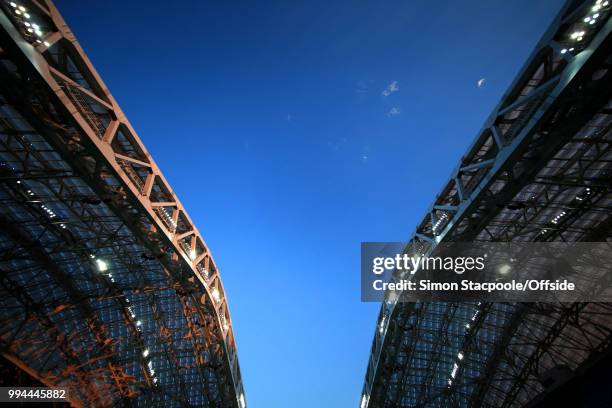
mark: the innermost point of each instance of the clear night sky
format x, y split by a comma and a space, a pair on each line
269, 121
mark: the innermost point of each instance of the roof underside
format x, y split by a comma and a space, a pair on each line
540, 170
63, 316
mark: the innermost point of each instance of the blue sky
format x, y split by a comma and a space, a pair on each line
270, 121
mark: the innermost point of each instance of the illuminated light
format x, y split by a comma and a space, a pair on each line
605, 4
587, 19
596, 15
467, 326
138, 323
27, 24
39, 33
592, 22
216, 294
18, 12
596, 7
571, 49
26, 15
36, 26
18, 181
579, 39
577, 34
145, 353
46, 44
454, 372
563, 51
381, 326
12, 3
460, 356
102, 266
22, 8
450, 382
154, 380
30, 30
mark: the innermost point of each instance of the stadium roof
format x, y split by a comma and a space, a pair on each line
539, 170
106, 286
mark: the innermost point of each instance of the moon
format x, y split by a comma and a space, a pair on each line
481, 82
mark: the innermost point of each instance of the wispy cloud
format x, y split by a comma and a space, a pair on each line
289, 118
393, 112
392, 87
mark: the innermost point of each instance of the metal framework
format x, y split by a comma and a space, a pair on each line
106, 285
539, 170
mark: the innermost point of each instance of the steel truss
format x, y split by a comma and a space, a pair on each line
106, 285
539, 170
